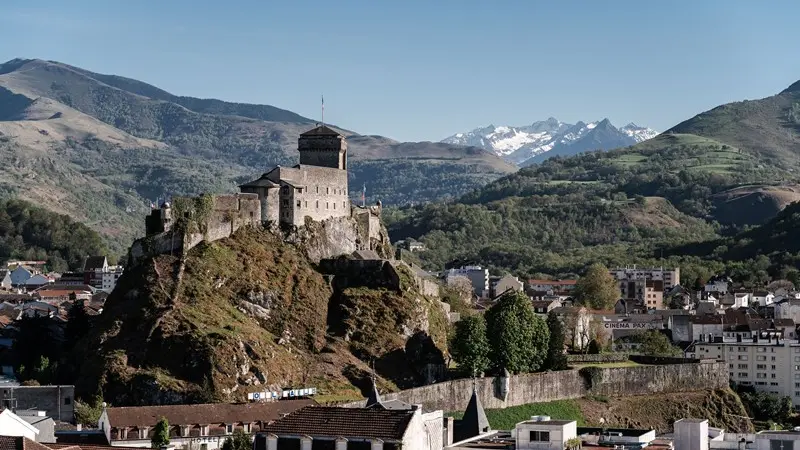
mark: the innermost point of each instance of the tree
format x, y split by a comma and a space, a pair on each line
160, 434
469, 345
34, 347
655, 343
555, 359
77, 322
238, 441
597, 288
518, 337
594, 347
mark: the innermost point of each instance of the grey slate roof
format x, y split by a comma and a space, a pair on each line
321, 130
474, 421
367, 423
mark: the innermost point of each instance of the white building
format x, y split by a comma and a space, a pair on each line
13, 425
543, 433
764, 357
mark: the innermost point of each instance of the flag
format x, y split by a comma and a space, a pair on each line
364, 194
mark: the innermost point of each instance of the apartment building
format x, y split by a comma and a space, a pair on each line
477, 275
669, 277
763, 354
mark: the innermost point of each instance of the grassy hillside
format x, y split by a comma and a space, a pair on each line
127, 142
610, 206
768, 128
243, 314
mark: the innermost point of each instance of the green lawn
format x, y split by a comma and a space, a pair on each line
506, 419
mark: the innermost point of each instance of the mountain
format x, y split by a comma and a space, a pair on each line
768, 127
616, 207
102, 147
536, 142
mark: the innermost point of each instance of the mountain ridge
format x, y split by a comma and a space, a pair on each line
534, 143
111, 149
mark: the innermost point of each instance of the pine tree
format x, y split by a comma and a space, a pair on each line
160, 434
556, 360
77, 322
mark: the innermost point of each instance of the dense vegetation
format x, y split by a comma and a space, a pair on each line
619, 207
32, 233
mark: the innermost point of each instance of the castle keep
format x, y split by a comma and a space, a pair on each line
315, 188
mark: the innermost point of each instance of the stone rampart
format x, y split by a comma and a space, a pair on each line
225, 215
500, 392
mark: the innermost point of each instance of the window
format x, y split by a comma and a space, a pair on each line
773, 367
327, 190
773, 376
742, 374
305, 204
761, 350
742, 358
730, 366
344, 204
540, 436
229, 428
67, 401
246, 427
286, 203
334, 205
761, 358
761, 366
317, 204
742, 349
772, 358
742, 366
298, 203
317, 189
326, 205
772, 383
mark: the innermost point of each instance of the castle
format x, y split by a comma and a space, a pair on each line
316, 188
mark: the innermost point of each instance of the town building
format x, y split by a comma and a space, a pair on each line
5, 279
477, 275
354, 429
56, 401
761, 353
13, 425
669, 277
551, 287
99, 274
316, 188
718, 285
202, 427
500, 285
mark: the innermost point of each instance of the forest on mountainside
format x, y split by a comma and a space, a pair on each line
31, 233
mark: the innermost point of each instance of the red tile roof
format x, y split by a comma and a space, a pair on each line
372, 423
19, 443
203, 414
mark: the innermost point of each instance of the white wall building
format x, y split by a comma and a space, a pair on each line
543, 433
477, 275
670, 277
13, 425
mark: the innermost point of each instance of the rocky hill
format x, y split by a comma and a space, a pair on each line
249, 313
101, 147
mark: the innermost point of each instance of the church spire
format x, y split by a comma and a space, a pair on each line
474, 421
374, 397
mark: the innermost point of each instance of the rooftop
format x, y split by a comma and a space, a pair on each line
369, 423
322, 130
134, 416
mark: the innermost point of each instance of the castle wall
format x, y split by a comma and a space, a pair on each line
522, 389
228, 213
320, 191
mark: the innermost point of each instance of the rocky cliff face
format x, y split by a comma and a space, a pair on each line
247, 313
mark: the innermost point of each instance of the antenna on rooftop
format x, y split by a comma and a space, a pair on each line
323, 110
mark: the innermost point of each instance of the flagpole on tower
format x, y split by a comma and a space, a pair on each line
323, 110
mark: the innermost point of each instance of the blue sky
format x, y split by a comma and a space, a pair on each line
422, 70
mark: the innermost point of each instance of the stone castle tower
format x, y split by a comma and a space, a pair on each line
316, 188
323, 147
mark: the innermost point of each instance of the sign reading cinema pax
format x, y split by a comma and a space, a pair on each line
633, 325
286, 393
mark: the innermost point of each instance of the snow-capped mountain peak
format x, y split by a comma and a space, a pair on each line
538, 140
